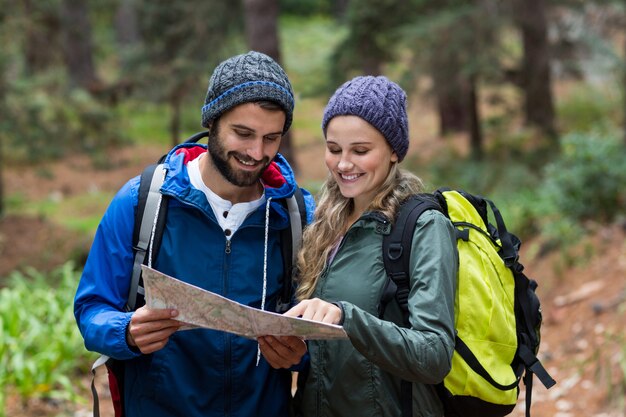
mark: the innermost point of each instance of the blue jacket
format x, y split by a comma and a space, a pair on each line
199, 372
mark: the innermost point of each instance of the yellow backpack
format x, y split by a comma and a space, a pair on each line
497, 313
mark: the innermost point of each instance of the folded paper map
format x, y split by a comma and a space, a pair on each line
200, 308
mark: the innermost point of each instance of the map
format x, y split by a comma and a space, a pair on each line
200, 308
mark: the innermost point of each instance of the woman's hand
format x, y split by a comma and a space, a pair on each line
317, 310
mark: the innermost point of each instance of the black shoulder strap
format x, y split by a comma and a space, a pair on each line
396, 257
197, 136
397, 251
291, 241
148, 229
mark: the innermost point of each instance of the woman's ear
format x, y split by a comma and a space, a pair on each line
394, 157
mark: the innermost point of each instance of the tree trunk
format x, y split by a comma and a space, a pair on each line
453, 113
535, 72
624, 80
1, 171
41, 37
476, 133
1, 177
340, 7
77, 45
261, 21
449, 87
126, 23
370, 61
175, 105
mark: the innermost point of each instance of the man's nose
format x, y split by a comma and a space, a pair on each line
256, 150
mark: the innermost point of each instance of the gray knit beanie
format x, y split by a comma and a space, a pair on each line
246, 78
379, 101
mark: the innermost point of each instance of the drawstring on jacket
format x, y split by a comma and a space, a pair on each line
267, 223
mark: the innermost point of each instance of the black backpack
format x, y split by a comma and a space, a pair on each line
470, 389
147, 234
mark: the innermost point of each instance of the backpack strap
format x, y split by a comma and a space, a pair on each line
397, 251
147, 235
148, 230
196, 137
291, 241
149, 224
396, 257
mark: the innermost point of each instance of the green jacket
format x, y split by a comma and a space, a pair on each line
362, 376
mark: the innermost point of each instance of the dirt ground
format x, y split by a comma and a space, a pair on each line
584, 330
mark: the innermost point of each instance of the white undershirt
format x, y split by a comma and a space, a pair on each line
229, 216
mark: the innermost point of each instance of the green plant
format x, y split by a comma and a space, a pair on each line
44, 119
585, 107
307, 53
587, 181
41, 349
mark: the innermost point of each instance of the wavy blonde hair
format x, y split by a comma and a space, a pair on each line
331, 217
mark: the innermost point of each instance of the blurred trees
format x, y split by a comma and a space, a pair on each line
469, 51
68, 64
535, 73
372, 38
261, 28
40, 29
77, 43
181, 44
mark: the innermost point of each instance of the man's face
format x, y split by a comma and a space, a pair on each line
244, 141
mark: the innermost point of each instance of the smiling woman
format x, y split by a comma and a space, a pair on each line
358, 157
342, 273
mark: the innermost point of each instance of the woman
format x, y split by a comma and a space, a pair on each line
342, 273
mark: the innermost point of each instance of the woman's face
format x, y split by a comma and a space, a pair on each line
358, 157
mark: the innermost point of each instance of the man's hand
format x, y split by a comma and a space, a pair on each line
282, 351
149, 330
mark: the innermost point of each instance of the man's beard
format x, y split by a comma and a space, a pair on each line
220, 158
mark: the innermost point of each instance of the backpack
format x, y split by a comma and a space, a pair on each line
147, 234
497, 313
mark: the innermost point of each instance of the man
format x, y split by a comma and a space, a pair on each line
221, 234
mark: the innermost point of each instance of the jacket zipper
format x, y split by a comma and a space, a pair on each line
227, 340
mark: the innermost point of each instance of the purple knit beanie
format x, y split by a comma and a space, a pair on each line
379, 101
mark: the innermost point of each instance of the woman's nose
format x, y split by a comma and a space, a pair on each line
344, 163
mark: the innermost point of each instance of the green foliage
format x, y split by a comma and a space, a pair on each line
42, 349
182, 43
510, 183
485, 176
586, 107
587, 181
372, 38
44, 120
307, 7
307, 46
147, 123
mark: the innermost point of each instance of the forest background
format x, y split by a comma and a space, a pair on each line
521, 100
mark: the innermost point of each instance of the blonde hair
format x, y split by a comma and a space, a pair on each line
331, 217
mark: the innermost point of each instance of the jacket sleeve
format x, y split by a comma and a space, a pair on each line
422, 353
103, 288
